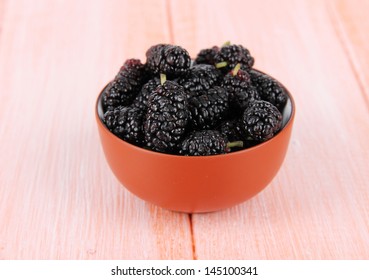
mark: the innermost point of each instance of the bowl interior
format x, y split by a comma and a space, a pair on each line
287, 112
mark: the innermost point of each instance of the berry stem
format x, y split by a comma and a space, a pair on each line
235, 144
163, 78
221, 64
236, 69
228, 43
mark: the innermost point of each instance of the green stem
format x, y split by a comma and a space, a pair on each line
236, 69
163, 78
228, 43
238, 144
221, 64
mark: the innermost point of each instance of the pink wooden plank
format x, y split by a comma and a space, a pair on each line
317, 207
352, 23
58, 198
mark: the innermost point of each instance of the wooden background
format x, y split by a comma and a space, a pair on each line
58, 197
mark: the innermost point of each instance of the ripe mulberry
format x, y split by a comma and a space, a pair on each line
143, 96
168, 59
209, 109
126, 123
167, 117
241, 91
207, 56
204, 143
232, 129
261, 120
127, 83
232, 55
199, 79
269, 89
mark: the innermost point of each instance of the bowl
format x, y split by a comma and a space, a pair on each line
196, 184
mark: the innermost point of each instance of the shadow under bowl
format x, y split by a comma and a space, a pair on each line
196, 184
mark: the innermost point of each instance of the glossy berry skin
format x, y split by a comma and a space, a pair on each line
204, 143
142, 98
209, 109
207, 56
167, 117
232, 129
269, 89
261, 120
132, 65
234, 54
167, 59
126, 123
126, 85
241, 91
199, 79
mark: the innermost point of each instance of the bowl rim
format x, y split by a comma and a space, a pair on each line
99, 111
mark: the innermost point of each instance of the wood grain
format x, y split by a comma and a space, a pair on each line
317, 207
58, 198
351, 22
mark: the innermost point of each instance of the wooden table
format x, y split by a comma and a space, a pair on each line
58, 197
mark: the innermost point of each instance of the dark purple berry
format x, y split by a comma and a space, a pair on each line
209, 109
204, 143
126, 85
167, 117
232, 55
232, 129
126, 123
269, 89
207, 56
261, 120
143, 96
168, 59
241, 91
199, 79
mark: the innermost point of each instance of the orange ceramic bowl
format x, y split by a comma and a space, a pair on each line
199, 183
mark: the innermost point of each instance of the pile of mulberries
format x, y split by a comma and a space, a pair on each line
214, 104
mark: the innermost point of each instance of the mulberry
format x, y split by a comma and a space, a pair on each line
142, 98
269, 89
241, 92
204, 143
199, 79
261, 120
209, 109
232, 55
168, 59
207, 56
126, 123
127, 83
167, 117
232, 129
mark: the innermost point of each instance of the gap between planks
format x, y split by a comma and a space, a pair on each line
194, 255
168, 6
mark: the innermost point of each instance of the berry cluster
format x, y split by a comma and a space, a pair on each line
215, 104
